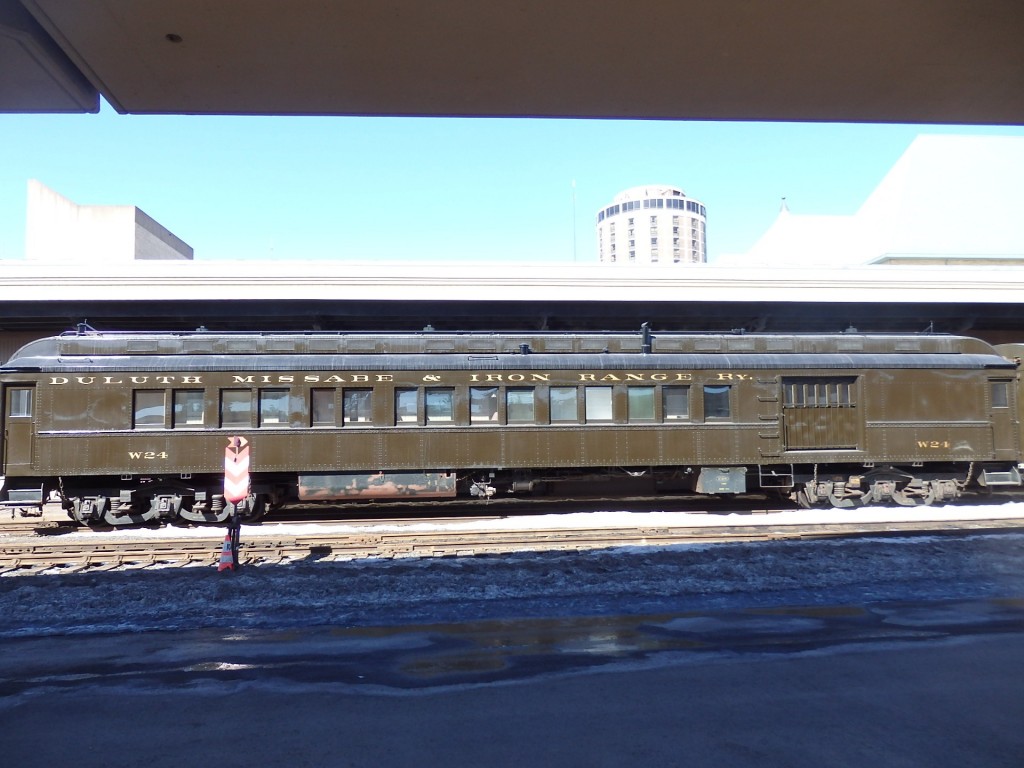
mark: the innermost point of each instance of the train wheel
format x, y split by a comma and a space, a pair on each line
202, 515
118, 514
904, 499
255, 508
803, 499
942, 491
932, 494
249, 510
845, 502
88, 511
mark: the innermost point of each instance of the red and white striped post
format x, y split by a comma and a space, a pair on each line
236, 470
236, 491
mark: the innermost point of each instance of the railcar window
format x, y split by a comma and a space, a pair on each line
795, 395
189, 406
405, 406
236, 408
483, 404
640, 403
273, 407
440, 404
1000, 394
563, 404
819, 393
520, 405
148, 409
357, 406
846, 393
814, 394
597, 403
675, 403
321, 410
716, 401
21, 402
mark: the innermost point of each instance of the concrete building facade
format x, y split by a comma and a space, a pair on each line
948, 200
59, 231
652, 225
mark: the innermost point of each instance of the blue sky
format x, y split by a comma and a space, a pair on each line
394, 189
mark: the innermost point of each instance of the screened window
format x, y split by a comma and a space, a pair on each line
236, 408
273, 407
189, 406
675, 403
819, 392
149, 409
519, 405
21, 402
795, 396
1000, 394
483, 404
357, 406
405, 406
820, 413
563, 403
321, 407
640, 403
598, 403
716, 401
440, 404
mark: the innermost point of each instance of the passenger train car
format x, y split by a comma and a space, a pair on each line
133, 427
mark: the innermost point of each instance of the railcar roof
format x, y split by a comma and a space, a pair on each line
282, 351
252, 364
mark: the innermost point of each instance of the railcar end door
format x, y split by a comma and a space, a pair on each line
19, 445
1003, 417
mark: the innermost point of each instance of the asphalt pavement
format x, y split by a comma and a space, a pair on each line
932, 683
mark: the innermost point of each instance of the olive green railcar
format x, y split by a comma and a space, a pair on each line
132, 427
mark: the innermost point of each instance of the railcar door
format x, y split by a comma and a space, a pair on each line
1003, 418
19, 444
820, 413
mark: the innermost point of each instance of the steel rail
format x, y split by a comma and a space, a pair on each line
49, 556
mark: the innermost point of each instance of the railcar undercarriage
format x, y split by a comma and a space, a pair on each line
157, 500
138, 501
896, 485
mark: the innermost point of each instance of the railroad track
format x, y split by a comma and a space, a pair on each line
39, 555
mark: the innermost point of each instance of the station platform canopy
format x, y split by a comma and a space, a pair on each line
941, 61
982, 300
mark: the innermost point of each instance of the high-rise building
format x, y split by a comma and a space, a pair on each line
652, 225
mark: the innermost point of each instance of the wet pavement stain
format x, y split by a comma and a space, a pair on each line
480, 652
453, 665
